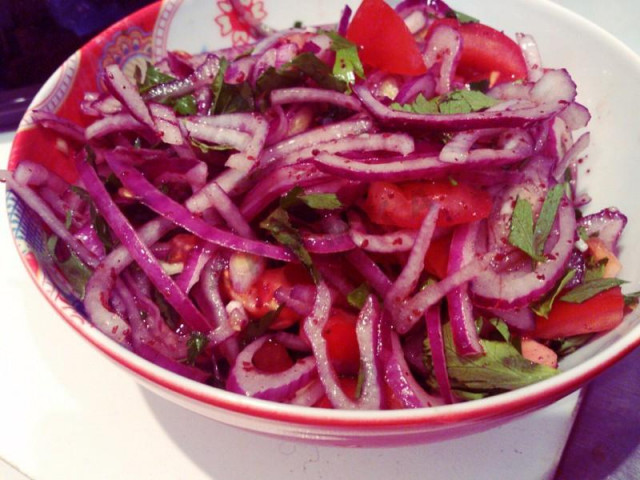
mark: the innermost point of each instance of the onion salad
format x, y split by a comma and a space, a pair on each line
381, 213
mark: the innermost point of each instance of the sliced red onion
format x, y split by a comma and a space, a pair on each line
438, 356
195, 262
218, 199
140, 252
396, 241
309, 395
120, 122
444, 46
344, 20
121, 88
314, 95
531, 55
575, 116
411, 309
276, 183
366, 330
216, 134
246, 379
328, 133
289, 297
424, 84
607, 224
571, 156
552, 93
399, 378
135, 182
194, 373
204, 74
521, 319
327, 243
166, 124
461, 315
512, 290
59, 124
210, 288
33, 200
413, 268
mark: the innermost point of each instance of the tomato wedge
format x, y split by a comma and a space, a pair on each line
599, 313
487, 54
384, 41
437, 258
272, 357
342, 342
258, 300
405, 205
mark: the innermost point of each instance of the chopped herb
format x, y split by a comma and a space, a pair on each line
185, 105
596, 270
521, 229
590, 289
73, 269
152, 77
546, 217
316, 201
480, 85
501, 368
259, 327
347, 65
195, 346
542, 309
279, 225
358, 296
205, 147
99, 223
502, 328
297, 24
458, 101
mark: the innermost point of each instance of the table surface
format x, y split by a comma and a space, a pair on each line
69, 412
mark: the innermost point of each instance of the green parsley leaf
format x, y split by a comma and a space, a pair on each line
259, 327
596, 270
227, 97
502, 328
195, 346
185, 105
521, 229
458, 101
546, 217
587, 290
501, 368
205, 147
542, 309
358, 296
582, 234
298, 24
570, 344
279, 226
347, 65
99, 223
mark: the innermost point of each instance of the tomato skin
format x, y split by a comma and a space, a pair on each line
437, 258
601, 312
384, 41
405, 205
342, 342
258, 300
487, 54
272, 357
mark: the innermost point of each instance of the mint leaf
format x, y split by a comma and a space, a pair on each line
521, 229
546, 217
543, 309
185, 105
195, 346
347, 65
590, 289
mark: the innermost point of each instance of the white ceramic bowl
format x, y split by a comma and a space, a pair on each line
607, 75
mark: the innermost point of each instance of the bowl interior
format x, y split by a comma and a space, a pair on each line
604, 70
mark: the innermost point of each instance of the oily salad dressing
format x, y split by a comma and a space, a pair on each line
380, 214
